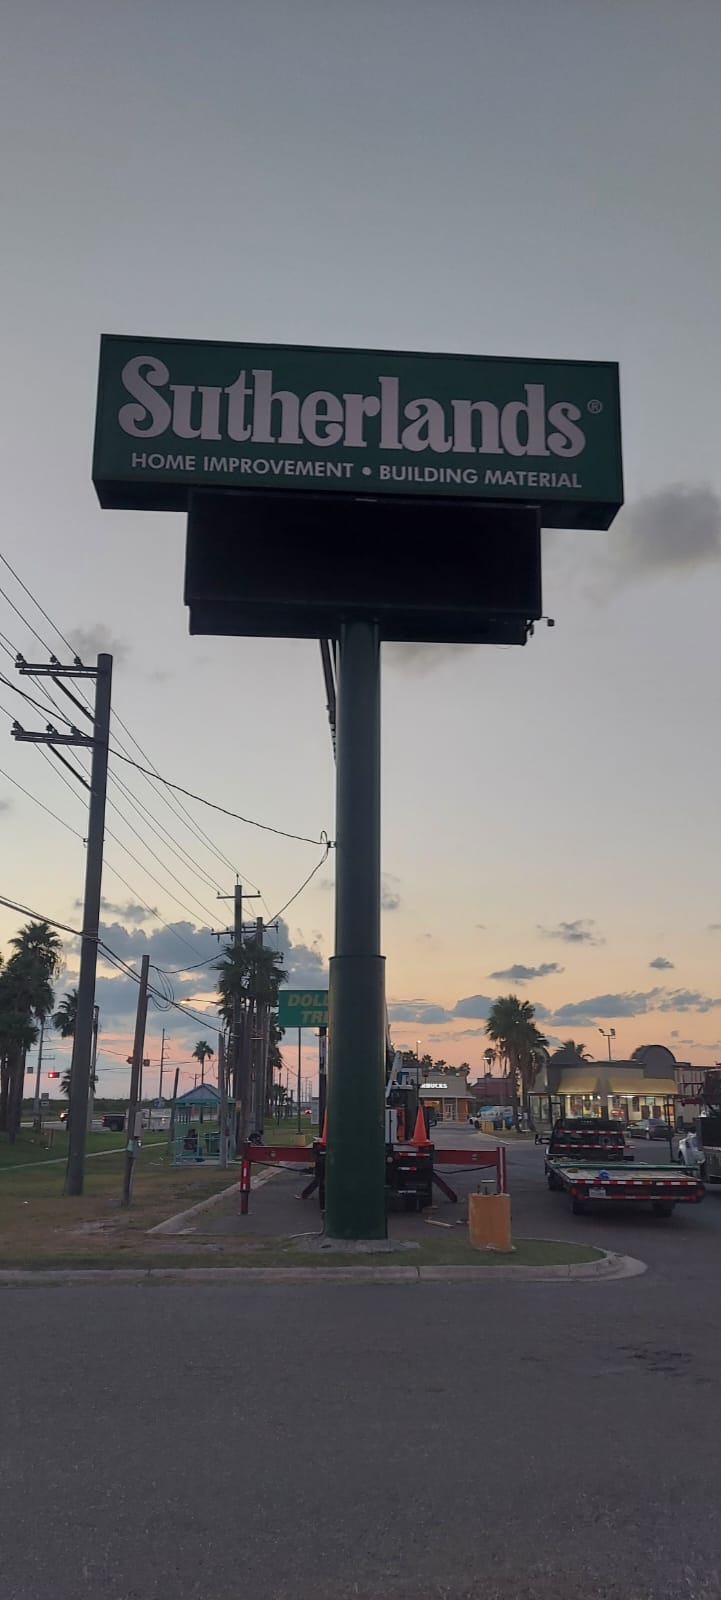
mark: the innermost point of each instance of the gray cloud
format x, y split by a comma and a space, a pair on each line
474, 1005
5, 804
417, 1011
714, 927
129, 912
178, 949
676, 529
687, 1000
521, 974
582, 931
585, 1013
90, 642
661, 964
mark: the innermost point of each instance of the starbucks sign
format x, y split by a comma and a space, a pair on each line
174, 415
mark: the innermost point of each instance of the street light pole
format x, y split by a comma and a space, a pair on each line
608, 1037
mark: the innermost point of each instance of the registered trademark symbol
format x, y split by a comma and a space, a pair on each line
595, 406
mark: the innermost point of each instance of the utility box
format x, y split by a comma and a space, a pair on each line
489, 1221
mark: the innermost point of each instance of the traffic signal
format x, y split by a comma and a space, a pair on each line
53, 1074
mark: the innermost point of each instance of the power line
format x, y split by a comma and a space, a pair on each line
304, 884
178, 809
108, 953
115, 807
154, 777
160, 885
33, 702
42, 805
175, 972
177, 848
37, 916
250, 822
19, 614
152, 911
35, 602
129, 971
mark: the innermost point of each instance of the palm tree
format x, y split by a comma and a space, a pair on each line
65, 1018
65, 1021
27, 1003
578, 1049
490, 1058
249, 976
201, 1053
511, 1025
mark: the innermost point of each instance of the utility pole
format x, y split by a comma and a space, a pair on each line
259, 1007
93, 1067
239, 1063
138, 1047
223, 1091
162, 1059
37, 1123
98, 742
355, 1160
171, 1126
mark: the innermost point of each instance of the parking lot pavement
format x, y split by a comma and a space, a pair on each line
494, 1441
682, 1246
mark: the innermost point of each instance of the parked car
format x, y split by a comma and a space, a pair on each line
649, 1128
114, 1121
691, 1152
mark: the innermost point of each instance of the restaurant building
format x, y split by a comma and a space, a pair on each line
630, 1091
447, 1094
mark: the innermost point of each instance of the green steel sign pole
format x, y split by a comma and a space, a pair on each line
355, 1159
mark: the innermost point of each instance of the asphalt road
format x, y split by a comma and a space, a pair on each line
507, 1440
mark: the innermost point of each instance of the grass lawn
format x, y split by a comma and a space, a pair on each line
439, 1252
39, 1226
31, 1149
287, 1133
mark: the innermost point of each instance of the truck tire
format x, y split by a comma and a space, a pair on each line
553, 1182
662, 1208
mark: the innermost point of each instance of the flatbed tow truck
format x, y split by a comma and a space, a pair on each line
588, 1159
663, 1187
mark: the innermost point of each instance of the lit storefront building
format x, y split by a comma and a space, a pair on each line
447, 1094
630, 1091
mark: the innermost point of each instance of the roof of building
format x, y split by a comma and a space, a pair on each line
202, 1095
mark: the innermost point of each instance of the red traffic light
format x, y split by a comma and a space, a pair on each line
53, 1074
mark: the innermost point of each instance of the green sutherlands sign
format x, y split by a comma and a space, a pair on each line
180, 414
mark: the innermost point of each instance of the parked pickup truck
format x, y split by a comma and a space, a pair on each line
589, 1139
662, 1187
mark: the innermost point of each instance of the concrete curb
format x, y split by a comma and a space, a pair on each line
609, 1269
177, 1223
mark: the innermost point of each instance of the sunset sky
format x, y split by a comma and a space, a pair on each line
490, 178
